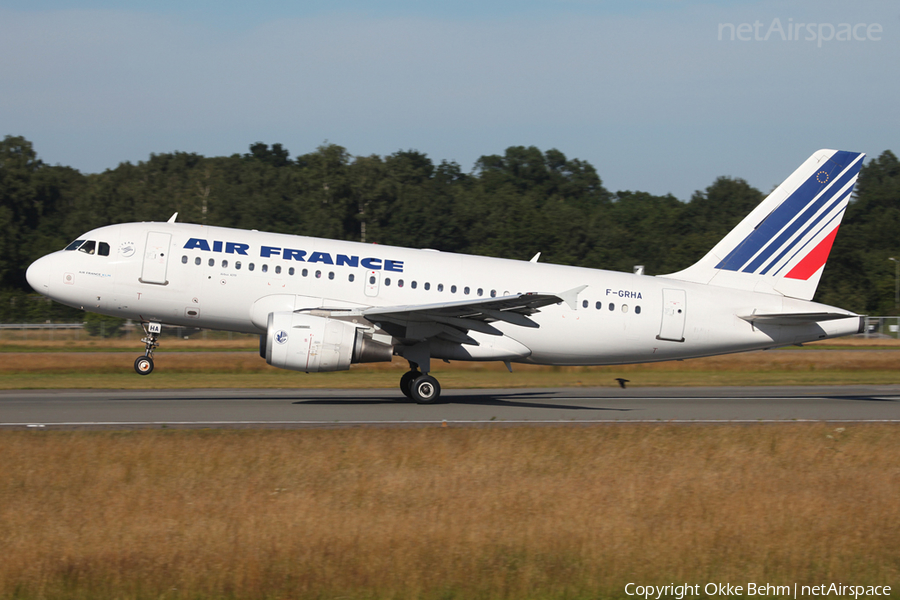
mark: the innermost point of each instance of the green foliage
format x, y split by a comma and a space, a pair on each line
511, 205
103, 326
19, 307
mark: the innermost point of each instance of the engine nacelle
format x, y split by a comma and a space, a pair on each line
303, 342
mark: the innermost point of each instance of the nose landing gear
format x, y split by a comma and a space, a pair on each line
143, 365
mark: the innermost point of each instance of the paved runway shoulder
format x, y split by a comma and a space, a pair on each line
317, 408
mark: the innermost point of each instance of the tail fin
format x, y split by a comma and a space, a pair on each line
782, 245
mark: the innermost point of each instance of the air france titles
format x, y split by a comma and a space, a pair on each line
325, 258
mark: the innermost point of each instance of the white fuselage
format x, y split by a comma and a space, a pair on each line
230, 279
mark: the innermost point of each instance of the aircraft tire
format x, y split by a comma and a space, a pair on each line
143, 365
425, 389
406, 381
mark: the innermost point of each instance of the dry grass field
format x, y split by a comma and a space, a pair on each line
444, 513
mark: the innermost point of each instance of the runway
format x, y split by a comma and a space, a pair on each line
127, 409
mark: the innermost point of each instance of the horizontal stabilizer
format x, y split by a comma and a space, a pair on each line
795, 318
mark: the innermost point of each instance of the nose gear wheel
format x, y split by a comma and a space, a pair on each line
143, 365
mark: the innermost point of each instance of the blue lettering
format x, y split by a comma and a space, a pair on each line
268, 251
322, 257
196, 244
235, 248
291, 254
393, 265
371, 263
350, 261
217, 246
624, 294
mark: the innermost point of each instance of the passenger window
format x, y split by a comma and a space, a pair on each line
291, 271
331, 275
212, 262
184, 260
74, 245
104, 249
452, 289
612, 306
466, 290
305, 272
440, 287
318, 274
197, 261
413, 285
372, 279
387, 281
427, 286
278, 269
493, 293
584, 304
399, 283
480, 292
637, 310
624, 308
351, 277
237, 265
224, 264
599, 305
265, 268
251, 266
88, 247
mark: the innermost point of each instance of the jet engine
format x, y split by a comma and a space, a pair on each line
303, 342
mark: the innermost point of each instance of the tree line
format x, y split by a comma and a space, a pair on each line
511, 205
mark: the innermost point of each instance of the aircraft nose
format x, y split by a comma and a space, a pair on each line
38, 275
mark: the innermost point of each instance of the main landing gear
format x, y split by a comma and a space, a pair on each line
418, 386
143, 365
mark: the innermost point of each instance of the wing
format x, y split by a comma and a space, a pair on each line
452, 321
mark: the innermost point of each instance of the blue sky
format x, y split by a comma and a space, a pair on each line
647, 92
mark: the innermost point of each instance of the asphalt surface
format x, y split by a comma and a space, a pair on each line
125, 409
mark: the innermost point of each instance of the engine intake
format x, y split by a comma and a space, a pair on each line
302, 342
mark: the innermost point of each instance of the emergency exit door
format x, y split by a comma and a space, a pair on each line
674, 312
156, 258
373, 283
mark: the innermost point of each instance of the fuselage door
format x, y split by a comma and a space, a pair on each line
373, 281
674, 311
156, 258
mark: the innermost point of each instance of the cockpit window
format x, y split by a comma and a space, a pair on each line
89, 247
103, 249
74, 245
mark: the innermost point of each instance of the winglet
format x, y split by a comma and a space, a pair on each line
570, 297
535, 258
172, 218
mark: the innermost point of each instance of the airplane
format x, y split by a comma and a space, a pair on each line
322, 305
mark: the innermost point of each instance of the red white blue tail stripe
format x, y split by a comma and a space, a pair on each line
782, 246
800, 231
